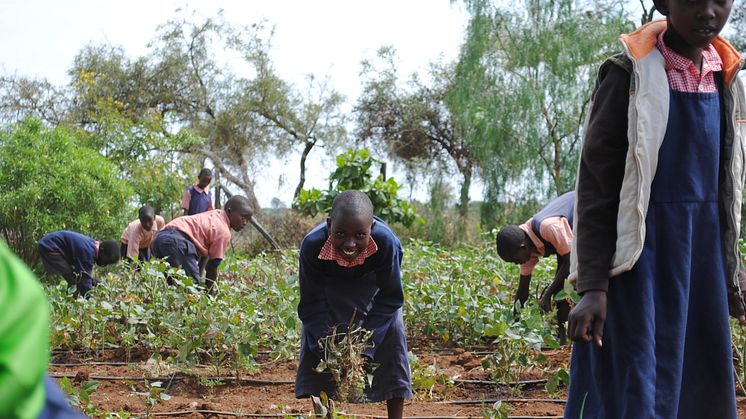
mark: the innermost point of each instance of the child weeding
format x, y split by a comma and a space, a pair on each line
183, 240
349, 275
657, 224
72, 255
198, 199
138, 235
548, 232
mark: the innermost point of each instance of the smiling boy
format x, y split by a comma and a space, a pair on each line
350, 266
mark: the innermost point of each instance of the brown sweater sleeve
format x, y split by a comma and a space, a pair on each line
600, 177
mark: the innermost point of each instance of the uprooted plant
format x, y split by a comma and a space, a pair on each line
351, 370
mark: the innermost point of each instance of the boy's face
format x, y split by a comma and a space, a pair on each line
522, 254
204, 181
695, 22
350, 234
146, 221
239, 217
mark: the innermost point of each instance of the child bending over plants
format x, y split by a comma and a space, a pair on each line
350, 280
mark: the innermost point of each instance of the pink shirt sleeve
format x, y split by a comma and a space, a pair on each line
557, 231
185, 199
212, 206
159, 223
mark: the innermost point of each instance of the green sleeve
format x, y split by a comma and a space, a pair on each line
24, 339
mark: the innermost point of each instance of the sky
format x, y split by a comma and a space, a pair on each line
319, 37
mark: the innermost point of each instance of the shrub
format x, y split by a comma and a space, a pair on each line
51, 182
353, 172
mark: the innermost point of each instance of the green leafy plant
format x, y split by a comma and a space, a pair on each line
80, 397
354, 172
52, 181
426, 377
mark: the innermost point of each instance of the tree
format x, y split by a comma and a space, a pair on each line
354, 172
181, 104
52, 181
522, 86
413, 122
243, 119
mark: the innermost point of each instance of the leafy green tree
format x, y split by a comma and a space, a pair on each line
522, 85
182, 84
412, 121
354, 172
52, 181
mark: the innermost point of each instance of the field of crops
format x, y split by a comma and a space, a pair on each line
139, 348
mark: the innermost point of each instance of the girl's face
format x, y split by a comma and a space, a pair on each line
695, 23
350, 235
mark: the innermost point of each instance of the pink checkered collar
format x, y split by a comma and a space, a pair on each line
711, 60
329, 253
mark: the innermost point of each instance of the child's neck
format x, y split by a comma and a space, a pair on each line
674, 41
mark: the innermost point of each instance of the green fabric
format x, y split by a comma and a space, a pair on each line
24, 339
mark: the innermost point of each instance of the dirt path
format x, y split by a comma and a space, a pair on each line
269, 393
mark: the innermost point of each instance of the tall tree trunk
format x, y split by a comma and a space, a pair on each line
303, 157
463, 206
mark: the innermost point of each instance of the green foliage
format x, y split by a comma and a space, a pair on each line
425, 378
354, 172
522, 85
52, 181
80, 397
465, 295
138, 310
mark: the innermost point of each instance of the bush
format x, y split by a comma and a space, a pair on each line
353, 172
50, 182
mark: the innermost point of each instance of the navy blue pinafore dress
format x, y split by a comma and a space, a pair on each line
667, 346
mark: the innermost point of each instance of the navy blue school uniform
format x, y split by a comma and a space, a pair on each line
198, 202
666, 345
330, 294
71, 255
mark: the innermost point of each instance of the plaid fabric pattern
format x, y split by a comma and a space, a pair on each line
683, 76
329, 253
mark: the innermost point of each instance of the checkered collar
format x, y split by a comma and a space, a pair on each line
711, 60
328, 252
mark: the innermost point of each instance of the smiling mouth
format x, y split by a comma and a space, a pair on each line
349, 253
705, 31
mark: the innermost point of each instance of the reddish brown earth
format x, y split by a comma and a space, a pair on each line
195, 397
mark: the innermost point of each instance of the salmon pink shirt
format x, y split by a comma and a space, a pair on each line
209, 231
136, 237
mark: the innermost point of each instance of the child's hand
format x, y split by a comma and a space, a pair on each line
737, 306
545, 303
587, 319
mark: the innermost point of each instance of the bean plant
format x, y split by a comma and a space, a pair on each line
453, 296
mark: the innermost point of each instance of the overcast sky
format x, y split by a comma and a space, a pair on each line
320, 37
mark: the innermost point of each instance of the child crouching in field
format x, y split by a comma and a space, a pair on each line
184, 239
349, 266
72, 255
138, 235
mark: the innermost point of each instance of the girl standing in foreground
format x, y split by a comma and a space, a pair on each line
658, 216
